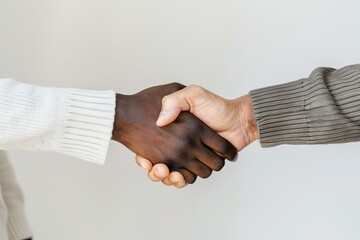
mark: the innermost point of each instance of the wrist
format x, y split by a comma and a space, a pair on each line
120, 106
250, 120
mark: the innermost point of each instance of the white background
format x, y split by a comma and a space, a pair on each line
227, 46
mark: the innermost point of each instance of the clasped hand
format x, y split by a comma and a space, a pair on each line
186, 146
232, 119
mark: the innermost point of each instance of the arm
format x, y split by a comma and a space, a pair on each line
17, 225
81, 123
70, 121
323, 108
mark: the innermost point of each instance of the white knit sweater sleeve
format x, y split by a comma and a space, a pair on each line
70, 121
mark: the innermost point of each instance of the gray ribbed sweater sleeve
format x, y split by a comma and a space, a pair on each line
323, 108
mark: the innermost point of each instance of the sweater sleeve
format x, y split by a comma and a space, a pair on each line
321, 109
70, 121
17, 224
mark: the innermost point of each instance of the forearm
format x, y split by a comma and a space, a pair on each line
71, 121
323, 108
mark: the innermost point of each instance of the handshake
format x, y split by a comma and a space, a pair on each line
180, 133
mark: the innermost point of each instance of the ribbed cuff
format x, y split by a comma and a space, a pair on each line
280, 113
321, 109
71, 121
88, 125
18, 227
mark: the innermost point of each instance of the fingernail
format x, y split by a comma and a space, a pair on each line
162, 117
157, 172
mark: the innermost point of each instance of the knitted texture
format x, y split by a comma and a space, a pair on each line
71, 121
323, 108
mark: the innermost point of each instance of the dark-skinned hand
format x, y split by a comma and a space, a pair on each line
187, 145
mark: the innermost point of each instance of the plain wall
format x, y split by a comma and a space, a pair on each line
227, 46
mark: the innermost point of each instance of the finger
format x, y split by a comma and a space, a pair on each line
167, 181
186, 99
172, 105
158, 172
198, 168
143, 162
219, 145
161, 170
176, 178
188, 176
180, 185
211, 159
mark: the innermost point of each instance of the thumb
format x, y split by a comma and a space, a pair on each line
172, 105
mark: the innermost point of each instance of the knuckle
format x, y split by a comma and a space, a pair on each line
188, 143
195, 92
196, 88
177, 85
193, 125
165, 99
